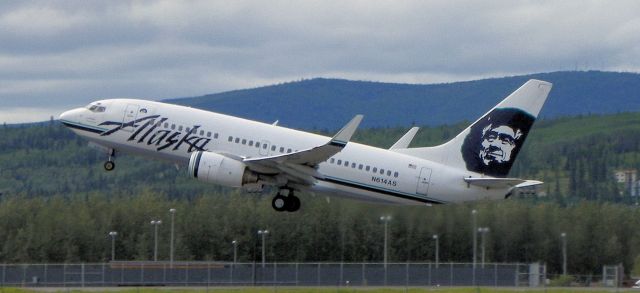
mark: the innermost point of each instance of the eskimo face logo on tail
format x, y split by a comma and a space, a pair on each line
148, 130
494, 141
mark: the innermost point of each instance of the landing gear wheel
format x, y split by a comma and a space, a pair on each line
293, 203
279, 203
109, 165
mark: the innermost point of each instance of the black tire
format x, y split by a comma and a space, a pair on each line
109, 165
279, 203
293, 203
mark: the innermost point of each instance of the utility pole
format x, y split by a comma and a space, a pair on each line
155, 224
474, 215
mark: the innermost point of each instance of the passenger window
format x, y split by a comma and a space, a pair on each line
215, 136
153, 121
180, 128
395, 174
332, 160
202, 132
173, 126
244, 141
273, 148
264, 146
282, 149
388, 173
237, 140
187, 130
166, 125
257, 144
208, 133
360, 167
346, 163
288, 150
339, 162
230, 138
353, 165
381, 171
375, 169
251, 143
368, 168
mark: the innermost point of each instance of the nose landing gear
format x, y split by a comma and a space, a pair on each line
285, 201
109, 165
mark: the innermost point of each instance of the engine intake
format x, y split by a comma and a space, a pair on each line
218, 169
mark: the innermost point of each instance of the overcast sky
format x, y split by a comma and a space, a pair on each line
61, 54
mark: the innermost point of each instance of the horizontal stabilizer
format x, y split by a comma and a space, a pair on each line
406, 139
501, 183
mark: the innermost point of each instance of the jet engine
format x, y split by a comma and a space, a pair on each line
220, 170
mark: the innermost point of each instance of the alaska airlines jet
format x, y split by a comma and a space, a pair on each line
235, 152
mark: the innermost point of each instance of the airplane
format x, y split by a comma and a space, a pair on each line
236, 152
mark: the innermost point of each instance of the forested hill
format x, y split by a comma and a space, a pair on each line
328, 103
57, 204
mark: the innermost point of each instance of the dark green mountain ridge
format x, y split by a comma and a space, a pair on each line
322, 103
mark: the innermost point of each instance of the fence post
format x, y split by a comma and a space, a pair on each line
364, 279
297, 281
45, 275
275, 273
103, 275
187, 270
451, 274
82, 274
406, 275
142, 274
495, 274
429, 270
341, 273
318, 275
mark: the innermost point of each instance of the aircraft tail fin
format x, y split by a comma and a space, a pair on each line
491, 144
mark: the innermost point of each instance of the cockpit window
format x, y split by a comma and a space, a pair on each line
96, 108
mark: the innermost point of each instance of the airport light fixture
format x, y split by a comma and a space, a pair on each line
435, 237
563, 236
235, 251
172, 211
263, 233
386, 220
155, 224
113, 235
483, 231
474, 215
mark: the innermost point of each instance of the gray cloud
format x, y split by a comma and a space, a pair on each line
69, 53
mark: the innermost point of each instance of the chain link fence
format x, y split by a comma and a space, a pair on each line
272, 274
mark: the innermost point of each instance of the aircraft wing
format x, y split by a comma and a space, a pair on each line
501, 182
301, 164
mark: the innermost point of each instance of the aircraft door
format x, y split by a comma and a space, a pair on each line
264, 147
130, 114
424, 180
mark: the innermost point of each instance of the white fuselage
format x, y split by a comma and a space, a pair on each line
358, 171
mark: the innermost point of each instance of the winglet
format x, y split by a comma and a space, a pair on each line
405, 140
344, 135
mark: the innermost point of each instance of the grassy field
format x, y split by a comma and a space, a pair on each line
315, 290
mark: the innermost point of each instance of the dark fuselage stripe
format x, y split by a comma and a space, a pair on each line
79, 127
372, 189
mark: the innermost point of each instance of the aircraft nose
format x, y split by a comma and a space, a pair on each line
71, 115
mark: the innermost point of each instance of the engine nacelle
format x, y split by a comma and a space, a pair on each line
218, 169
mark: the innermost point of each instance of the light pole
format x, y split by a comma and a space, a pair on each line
155, 224
563, 236
173, 213
386, 220
263, 233
483, 231
113, 235
235, 251
435, 237
474, 215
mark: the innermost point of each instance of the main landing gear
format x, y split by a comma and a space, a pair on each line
285, 201
109, 165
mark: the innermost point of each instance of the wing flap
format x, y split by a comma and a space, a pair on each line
501, 183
